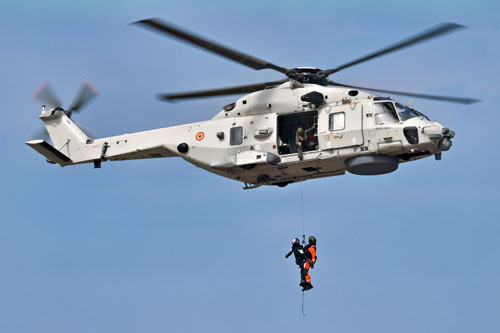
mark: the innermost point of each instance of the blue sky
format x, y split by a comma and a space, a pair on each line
160, 245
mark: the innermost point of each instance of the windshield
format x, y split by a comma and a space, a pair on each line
406, 113
385, 113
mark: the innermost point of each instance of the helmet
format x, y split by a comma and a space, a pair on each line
312, 240
295, 241
300, 131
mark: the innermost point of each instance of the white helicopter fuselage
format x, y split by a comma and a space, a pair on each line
254, 140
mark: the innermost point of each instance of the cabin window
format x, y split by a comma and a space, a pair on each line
236, 136
385, 113
337, 121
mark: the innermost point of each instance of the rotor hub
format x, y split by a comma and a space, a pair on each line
308, 75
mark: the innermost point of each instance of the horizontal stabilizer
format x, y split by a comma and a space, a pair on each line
52, 154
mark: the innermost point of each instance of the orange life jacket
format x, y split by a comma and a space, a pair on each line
310, 251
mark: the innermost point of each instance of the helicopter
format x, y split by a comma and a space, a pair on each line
303, 127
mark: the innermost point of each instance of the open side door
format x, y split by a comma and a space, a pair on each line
288, 125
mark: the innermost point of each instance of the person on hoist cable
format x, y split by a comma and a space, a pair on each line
298, 251
305, 258
309, 261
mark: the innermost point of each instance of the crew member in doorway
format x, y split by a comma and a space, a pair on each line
302, 140
309, 261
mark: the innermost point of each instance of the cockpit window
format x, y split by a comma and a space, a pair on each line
405, 112
385, 113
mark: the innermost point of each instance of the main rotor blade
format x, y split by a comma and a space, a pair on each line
86, 94
219, 92
47, 96
242, 58
421, 37
424, 96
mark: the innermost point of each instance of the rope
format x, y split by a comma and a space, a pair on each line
303, 303
302, 209
303, 236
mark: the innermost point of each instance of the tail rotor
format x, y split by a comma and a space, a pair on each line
47, 96
86, 93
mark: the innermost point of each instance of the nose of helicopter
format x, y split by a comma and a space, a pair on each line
441, 136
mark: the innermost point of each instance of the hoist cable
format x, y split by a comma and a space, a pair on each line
302, 209
303, 303
303, 236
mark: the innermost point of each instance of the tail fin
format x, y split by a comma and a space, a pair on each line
66, 136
